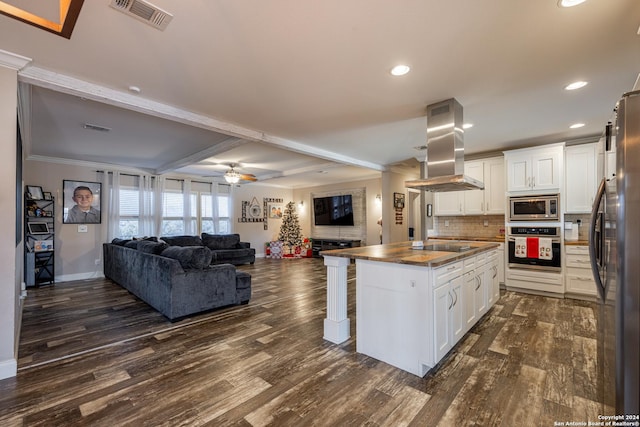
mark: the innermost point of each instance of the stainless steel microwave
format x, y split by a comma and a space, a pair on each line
534, 208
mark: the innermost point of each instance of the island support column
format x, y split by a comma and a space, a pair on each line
336, 324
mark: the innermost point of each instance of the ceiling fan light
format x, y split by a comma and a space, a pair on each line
569, 3
575, 85
231, 176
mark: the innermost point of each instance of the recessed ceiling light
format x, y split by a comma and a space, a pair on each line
575, 85
400, 70
569, 3
576, 125
467, 125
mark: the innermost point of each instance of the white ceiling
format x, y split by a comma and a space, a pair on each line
290, 88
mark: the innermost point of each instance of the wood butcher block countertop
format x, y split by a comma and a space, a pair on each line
402, 253
576, 243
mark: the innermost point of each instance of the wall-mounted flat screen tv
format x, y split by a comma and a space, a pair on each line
333, 210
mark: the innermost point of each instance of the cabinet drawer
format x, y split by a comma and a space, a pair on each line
576, 250
578, 261
444, 274
580, 284
469, 264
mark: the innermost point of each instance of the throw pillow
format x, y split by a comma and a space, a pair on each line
151, 247
189, 256
221, 241
182, 240
133, 244
120, 242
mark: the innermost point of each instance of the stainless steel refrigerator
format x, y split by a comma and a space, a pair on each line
614, 245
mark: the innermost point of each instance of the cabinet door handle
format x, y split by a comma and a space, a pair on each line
478, 282
453, 267
456, 294
450, 296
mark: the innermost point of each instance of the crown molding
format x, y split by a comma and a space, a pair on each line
13, 61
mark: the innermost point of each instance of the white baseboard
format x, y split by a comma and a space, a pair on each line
79, 276
8, 368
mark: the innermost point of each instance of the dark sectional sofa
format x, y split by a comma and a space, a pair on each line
225, 248
177, 281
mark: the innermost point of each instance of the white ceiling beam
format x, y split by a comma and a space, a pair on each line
298, 171
70, 85
214, 150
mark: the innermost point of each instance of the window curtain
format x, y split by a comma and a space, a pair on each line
150, 190
187, 217
215, 215
111, 201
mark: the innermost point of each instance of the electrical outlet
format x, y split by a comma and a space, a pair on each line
446, 222
486, 222
97, 261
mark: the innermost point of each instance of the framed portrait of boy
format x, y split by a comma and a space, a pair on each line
81, 203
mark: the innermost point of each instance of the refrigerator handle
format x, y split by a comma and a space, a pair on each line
593, 244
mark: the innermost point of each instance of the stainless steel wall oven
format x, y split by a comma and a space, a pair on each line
520, 260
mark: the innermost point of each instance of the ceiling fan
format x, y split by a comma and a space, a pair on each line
232, 176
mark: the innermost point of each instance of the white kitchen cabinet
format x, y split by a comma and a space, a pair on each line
494, 191
449, 324
474, 199
468, 296
580, 178
578, 275
492, 277
500, 265
448, 203
489, 201
535, 169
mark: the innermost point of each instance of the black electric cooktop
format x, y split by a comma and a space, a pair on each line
447, 247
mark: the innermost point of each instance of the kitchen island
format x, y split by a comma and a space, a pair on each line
412, 305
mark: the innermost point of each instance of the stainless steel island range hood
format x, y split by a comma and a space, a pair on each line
445, 151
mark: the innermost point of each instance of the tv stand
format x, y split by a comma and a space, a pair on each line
319, 245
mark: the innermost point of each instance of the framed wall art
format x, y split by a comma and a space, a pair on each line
398, 200
81, 202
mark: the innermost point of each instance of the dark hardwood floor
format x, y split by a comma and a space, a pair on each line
93, 355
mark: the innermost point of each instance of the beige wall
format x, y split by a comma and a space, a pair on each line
76, 253
10, 279
393, 182
254, 232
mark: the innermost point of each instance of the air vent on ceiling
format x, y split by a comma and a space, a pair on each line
96, 127
144, 11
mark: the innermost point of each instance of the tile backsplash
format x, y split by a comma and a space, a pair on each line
468, 226
583, 227
473, 226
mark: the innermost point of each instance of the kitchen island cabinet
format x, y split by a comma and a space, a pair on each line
411, 305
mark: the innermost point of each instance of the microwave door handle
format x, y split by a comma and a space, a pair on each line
593, 255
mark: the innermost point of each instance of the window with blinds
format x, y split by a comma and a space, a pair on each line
200, 211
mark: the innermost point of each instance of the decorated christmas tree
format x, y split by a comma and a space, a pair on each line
290, 232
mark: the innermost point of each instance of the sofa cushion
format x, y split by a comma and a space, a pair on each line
221, 241
133, 244
182, 240
120, 242
151, 247
198, 257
